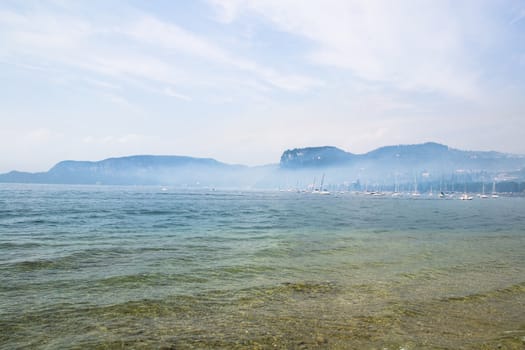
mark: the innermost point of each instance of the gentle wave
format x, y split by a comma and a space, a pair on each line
95, 267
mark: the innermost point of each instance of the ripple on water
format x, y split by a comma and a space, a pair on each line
131, 268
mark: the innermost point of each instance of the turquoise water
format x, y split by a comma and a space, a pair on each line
137, 267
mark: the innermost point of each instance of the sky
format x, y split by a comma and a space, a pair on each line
241, 81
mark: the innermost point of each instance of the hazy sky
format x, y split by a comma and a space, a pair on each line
241, 81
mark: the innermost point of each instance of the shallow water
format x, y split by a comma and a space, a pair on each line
136, 267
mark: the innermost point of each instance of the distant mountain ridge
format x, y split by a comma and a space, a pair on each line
420, 162
139, 169
333, 156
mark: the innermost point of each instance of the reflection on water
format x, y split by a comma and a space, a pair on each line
123, 267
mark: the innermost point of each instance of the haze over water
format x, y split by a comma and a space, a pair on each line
138, 267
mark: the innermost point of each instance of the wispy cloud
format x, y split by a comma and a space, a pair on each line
169, 36
139, 48
410, 45
119, 100
101, 83
171, 92
157, 33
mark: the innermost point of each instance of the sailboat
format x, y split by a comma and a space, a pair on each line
321, 190
396, 189
465, 196
494, 195
415, 193
483, 195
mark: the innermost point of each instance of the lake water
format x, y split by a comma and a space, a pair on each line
137, 268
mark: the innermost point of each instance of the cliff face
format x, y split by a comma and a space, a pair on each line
315, 157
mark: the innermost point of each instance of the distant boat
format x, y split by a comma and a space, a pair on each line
415, 193
396, 192
494, 195
465, 197
483, 195
321, 190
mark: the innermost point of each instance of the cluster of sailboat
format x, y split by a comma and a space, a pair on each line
466, 197
440, 195
396, 193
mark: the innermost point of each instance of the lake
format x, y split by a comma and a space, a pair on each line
96, 267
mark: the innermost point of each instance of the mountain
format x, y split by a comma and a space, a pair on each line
401, 163
421, 156
134, 170
412, 155
311, 157
141, 170
430, 163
